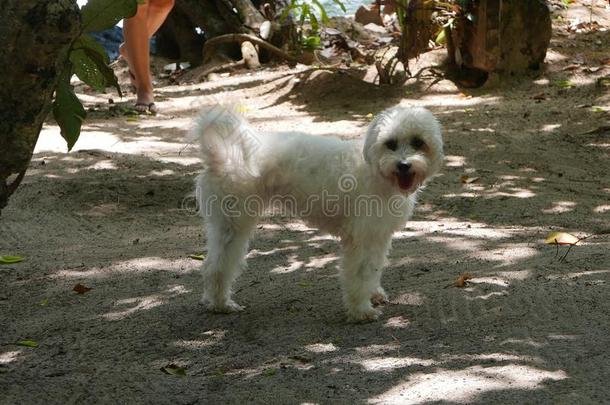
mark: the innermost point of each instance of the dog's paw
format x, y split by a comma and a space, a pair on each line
226, 307
369, 314
379, 297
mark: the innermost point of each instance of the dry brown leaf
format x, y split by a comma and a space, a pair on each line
81, 289
461, 280
561, 238
539, 96
467, 180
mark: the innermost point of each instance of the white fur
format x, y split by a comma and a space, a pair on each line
325, 181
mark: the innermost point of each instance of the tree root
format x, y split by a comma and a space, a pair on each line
229, 38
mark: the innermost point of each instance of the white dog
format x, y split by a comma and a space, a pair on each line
360, 193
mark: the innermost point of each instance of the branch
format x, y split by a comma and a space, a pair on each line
228, 38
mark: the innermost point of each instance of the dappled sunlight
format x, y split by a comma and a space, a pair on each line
493, 294
577, 274
455, 161
602, 209
293, 265
408, 299
391, 363
396, 322
560, 207
522, 342
209, 338
132, 266
50, 140
321, 348
256, 252
550, 127
138, 304
463, 386
9, 357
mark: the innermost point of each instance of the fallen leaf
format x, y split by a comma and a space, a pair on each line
27, 343
467, 180
461, 280
173, 369
197, 257
81, 289
564, 84
305, 284
598, 109
10, 259
561, 238
463, 95
539, 97
270, 372
44, 302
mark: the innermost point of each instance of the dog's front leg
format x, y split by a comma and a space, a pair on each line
360, 277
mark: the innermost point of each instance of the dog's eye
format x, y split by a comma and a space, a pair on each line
417, 143
391, 144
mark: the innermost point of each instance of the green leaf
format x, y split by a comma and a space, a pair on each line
311, 42
90, 64
304, 13
67, 110
197, 257
440, 38
27, 343
10, 259
323, 14
564, 84
173, 369
99, 15
340, 4
315, 26
44, 302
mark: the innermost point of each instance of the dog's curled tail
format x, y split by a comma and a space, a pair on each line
227, 140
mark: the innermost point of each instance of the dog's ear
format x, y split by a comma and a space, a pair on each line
373, 131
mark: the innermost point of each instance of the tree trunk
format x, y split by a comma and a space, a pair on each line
36, 35
216, 18
501, 36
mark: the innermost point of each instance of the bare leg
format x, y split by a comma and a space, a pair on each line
137, 31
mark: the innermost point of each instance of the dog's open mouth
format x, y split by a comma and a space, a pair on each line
405, 180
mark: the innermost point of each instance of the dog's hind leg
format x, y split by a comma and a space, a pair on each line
227, 248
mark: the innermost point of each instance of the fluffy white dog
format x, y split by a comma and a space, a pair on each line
361, 193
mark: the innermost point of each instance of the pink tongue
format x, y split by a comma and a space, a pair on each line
405, 181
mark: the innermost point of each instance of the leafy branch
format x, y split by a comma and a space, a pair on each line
304, 12
87, 60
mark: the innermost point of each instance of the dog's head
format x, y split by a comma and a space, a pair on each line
404, 146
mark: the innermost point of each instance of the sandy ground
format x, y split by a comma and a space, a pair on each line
114, 215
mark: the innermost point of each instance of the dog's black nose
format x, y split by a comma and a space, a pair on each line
403, 167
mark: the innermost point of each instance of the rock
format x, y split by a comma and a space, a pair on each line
368, 14
377, 29
265, 30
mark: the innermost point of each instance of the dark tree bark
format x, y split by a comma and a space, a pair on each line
178, 38
36, 35
504, 37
